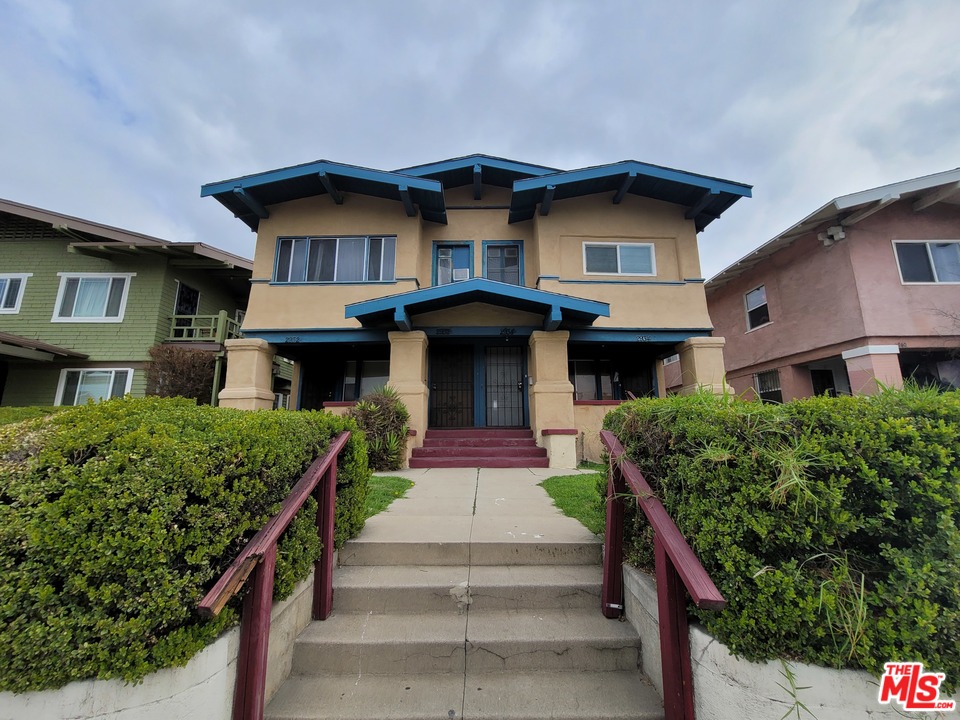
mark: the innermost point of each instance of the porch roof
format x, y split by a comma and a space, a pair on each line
25, 348
556, 309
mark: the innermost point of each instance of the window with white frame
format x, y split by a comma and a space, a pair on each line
928, 261
92, 297
11, 291
767, 385
758, 313
619, 259
336, 259
78, 386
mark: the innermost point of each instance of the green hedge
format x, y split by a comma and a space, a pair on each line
830, 525
116, 518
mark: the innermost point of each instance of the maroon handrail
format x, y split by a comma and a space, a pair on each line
675, 563
259, 558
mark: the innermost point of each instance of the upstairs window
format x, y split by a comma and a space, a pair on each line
619, 259
503, 263
928, 262
454, 263
11, 291
758, 313
336, 259
91, 297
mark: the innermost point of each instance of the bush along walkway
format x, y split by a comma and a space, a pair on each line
472, 597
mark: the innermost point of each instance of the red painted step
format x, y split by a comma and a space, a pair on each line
478, 462
430, 441
479, 447
481, 432
467, 451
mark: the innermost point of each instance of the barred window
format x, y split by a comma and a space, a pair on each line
767, 385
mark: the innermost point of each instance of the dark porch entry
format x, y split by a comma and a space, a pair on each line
477, 386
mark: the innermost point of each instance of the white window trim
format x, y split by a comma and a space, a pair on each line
64, 276
746, 309
653, 258
61, 385
933, 267
22, 277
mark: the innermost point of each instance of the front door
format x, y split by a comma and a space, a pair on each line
451, 386
504, 387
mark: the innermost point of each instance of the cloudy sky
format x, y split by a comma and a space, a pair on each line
118, 111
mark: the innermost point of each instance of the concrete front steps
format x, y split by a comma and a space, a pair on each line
479, 447
455, 639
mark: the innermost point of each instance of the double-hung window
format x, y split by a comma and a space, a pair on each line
758, 312
92, 297
336, 259
503, 262
78, 386
929, 262
11, 291
619, 259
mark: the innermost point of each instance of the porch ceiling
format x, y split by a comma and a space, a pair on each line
557, 310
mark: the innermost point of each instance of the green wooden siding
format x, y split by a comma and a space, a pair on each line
36, 383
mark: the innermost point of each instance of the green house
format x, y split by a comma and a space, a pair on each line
82, 303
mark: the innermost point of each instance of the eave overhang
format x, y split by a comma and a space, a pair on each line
478, 170
397, 311
249, 198
26, 349
705, 198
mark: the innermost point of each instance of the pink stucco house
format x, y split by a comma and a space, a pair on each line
865, 289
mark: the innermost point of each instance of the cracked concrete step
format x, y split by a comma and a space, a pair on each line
544, 640
531, 552
371, 644
511, 696
405, 588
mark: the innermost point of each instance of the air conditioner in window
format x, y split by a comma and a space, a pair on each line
460, 274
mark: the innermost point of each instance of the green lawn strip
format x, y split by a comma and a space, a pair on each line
17, 414
383, 490
576, 497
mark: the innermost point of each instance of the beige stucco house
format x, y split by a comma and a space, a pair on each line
863, 292
494, 295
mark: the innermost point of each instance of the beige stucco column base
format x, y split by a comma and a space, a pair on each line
701, 366
408, 376
249, 383
872, 366
551, 397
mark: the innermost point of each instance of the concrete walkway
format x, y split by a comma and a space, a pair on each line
482, 512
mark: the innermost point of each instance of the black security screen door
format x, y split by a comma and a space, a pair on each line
451, 386
504, 396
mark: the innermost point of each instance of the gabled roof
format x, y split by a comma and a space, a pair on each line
97, 239
420, 188
846, 211
397, 310
247, 197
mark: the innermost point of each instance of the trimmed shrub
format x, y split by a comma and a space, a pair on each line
829, 524
383, 417
116, 518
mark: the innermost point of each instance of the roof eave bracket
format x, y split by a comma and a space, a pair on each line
402, 318
552, 319
255, 206
624, 187
547, 199
408, 205
477, 182
331, 189
701, 204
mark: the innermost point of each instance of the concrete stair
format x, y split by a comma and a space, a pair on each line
479, 447
446, 615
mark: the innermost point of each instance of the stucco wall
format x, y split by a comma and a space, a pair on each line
201, 690
588, 417
729, 688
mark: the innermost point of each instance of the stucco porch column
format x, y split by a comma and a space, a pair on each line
871, 366
408, 376
701, 365
249, 383
551, 397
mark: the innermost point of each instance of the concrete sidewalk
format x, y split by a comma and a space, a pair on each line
474, 516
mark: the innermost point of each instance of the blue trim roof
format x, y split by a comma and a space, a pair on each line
310, 179
457, 172
396, 310
707, 197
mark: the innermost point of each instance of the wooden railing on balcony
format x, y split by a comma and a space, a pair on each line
203, 328
675, 562
259, 559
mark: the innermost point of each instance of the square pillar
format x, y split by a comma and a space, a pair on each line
408, 376
701, 366
551, 397
249, 383
871, 366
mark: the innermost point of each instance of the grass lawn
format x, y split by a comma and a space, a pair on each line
16, 414
381, 491
576, 496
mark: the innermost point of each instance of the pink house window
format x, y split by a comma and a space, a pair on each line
758, 313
